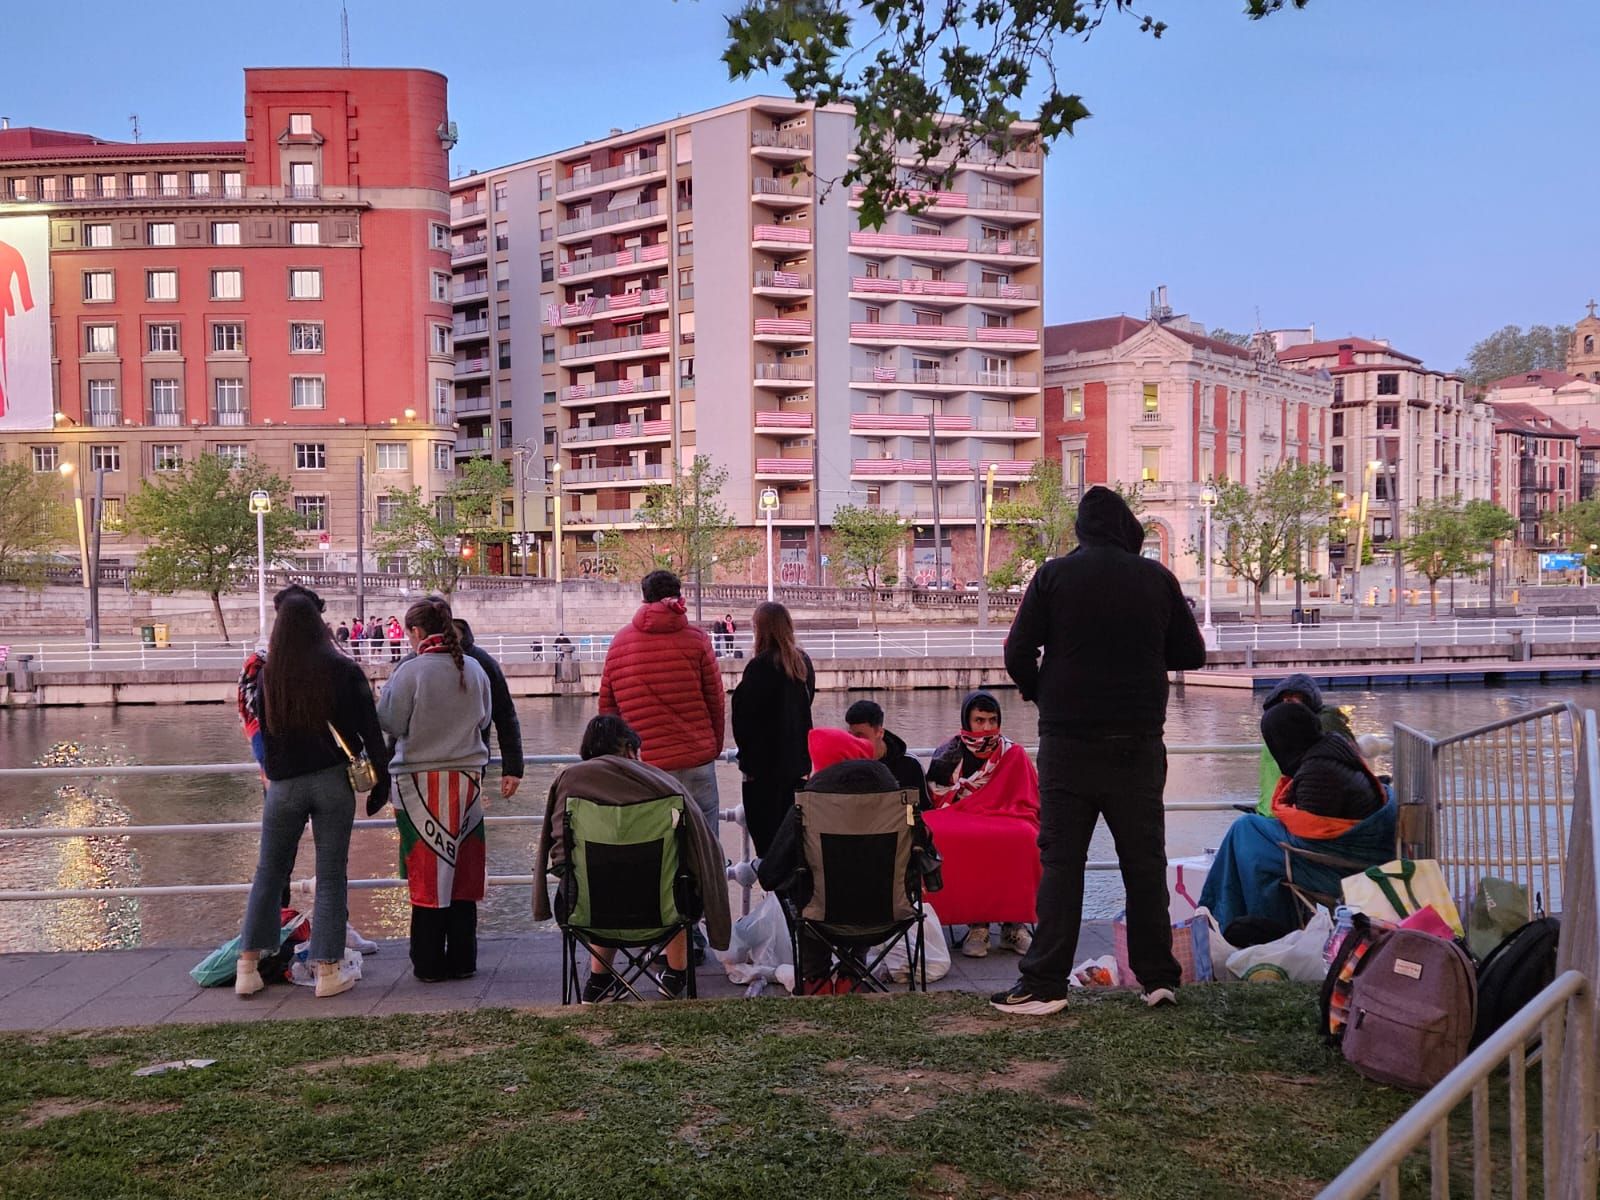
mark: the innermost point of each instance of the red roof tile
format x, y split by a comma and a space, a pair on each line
1526, 418
1331, 350
1537, 378
1103, 333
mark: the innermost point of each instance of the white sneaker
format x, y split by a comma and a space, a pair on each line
333, 979
976, 944
1015, 938
247, 979
1159, 997
354, 941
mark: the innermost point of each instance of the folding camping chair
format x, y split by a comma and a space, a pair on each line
1308, 900
864, 900
628, 889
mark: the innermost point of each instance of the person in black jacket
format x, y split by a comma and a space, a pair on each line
864, 718
771, 718
504, 713
1112, 624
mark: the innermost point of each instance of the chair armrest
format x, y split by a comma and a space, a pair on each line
1291, 851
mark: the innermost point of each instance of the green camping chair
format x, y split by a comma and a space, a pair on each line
627, 889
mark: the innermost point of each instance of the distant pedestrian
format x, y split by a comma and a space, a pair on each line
729, 630
771, 720
503, 711
1112, 624
397, 638
342, 636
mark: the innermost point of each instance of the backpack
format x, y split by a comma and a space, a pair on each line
1514, 972
1413, 1007
1335, 1000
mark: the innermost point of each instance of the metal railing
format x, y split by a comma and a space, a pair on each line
591, 179
614, 216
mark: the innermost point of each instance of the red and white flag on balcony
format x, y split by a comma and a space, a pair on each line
552, 315
785, 279
1010, 291
884, 374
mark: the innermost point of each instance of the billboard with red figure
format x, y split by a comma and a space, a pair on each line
26, 402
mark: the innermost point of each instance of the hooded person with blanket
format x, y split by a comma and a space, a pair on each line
1296, 689
1327, 799
985, 795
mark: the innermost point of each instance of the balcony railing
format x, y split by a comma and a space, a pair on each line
879, 285
460, 212
797, 372
1151, 416
790, 235
624, 345
302, 191
783, 327
600, 516
895, 377
463, 329
623, 430
171, 420
474, 445
472, 406
615, 216
230, 416
105, 418
862, 239
465, 291
156, 196
918, 423
951, 468
794, 468
793, 185
949, 510
785, 280
617, 387
574, 268
587, 310
578, 183
471, 366
780, 139
785, 420
983, 201
627, 474
469, 249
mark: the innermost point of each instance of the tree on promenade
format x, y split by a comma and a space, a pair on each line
903, 63
1489, 524
1513, 351
434, 538
1266, 530
474, 499
34, 520
687, 526
1441, 543
201, 532
865, 542
1581, 525
1042, 522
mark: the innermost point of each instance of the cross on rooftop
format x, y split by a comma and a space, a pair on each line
1591, 308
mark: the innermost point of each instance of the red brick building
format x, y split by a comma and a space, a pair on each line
1536, 471
285, 297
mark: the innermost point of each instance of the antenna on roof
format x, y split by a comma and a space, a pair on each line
133, 119
344, 35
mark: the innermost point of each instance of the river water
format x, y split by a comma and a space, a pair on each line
209, 733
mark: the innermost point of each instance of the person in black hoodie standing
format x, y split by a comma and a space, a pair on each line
1112, 624
771, 718
503, 711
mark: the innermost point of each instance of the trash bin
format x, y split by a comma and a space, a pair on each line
1297, 616
1313, 616
147, 634
162, 641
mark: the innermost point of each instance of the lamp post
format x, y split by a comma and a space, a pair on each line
1361, 538
555, 492
769, 506
519, 455
1208, 501
69, 472
261, 505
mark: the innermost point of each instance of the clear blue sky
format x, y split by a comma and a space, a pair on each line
1423, 170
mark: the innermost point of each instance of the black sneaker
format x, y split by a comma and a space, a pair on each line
672, 984
1020, 1000
601, 985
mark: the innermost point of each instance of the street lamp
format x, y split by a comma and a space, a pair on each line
1208, 501
769, 506
1361, 538
261, 505
555, 492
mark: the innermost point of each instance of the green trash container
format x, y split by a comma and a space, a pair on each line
147, 634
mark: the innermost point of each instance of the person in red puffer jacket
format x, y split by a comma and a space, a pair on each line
661, 677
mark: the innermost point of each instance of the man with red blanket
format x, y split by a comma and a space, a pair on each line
986, 819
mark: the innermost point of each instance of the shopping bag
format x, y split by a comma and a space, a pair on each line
1295, 957
304, 973
218, 968
1186, 878
1499, 909
1397, 889
759, 943
934, 949
1191, 946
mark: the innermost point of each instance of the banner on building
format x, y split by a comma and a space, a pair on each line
26, 400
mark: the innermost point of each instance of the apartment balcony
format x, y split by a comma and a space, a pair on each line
467, 212
466, 250
649, 387
163, 418
160, 197
782, 329
599, 477
105, 418
781, 238
599, 516
785, 468
468, 367
781, 375
949, 203
596, 181
473, 406
953, 511
921, 468
230, 417
641, 346
786, 145
630, 431
892, 378
782, 283
610, 264
462, 330
786, 424
462, 292
616, 218
977, 158
641, 301
929, 245
474, 445
793, 191
945, 291
916, 425
883, 332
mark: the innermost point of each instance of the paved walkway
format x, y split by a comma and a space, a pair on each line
112, 988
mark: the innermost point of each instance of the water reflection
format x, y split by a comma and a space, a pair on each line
209, 733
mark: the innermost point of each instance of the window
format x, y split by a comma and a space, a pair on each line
500, 190
686, 371
303, 180
98, 285
547, 268
103, 409
394, 456
227, 284
300, 124
505, 434
386, 509
111, 514
105, 458
686, 239
229, 395
1388, 416
227, 337
166, 456
306, 391
1152, 402
305, 284
97, 237
503, 361
165, 405
312, 511
1338, 391
502, 236
100, 339
16, 188
438, 237
305, 337
310, 456
441, 339
160, 285
305, 233
224, 233
1150, 464
45, 459
503, 321
105, 185
1074, 403
443, 456
161, 233
1336, 458
200, 183
233, 184
1338, 420
138, 185
163, 339
545, 188
1388, 385
444, 391
232, 453
996, 321
548, 347
441, 287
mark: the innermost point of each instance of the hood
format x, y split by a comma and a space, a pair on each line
894, 745
1301, 685
1104, 519
853, 778
465, 630
830, 746
663, 616
1290, 730
972, 698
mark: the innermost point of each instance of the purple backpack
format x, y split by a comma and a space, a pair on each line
1413, 1007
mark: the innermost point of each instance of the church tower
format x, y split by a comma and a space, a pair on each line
1583, 352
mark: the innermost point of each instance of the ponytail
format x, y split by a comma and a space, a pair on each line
434, 618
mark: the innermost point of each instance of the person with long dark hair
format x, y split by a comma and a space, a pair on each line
436, 706
771, 719
300, 697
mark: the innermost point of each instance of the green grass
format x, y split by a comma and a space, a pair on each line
1229, 1095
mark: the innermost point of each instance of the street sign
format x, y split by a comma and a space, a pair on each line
260, 502
824, 560
323, 542
1562, 561
769, 499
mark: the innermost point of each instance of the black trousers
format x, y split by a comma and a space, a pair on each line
766, 803
444, 941
1080, 781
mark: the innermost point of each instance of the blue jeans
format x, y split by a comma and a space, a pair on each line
701, 785
324, 797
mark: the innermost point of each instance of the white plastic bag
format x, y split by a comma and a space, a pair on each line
1294, 957
934, 949
759, 945
1095, 973
1220, 948
304, 973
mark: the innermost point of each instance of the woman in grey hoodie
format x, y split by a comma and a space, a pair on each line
436, 708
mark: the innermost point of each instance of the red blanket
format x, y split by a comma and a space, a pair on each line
1008, 789
991, 867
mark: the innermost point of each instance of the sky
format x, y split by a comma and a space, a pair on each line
1416, 170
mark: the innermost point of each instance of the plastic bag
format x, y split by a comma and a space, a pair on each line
934, 949
1295, 957
759, 944
218, 968
1094, 973
304, 974
1191, 946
